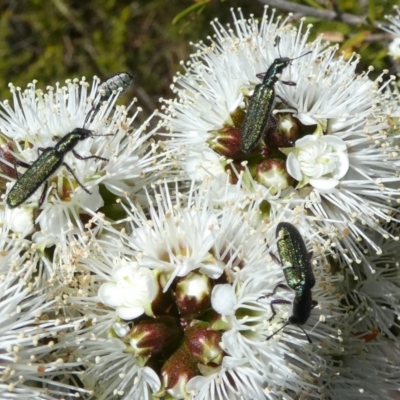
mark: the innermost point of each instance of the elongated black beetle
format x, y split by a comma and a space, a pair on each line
46, 164
52, 158
118, 82
297, 269
262, 102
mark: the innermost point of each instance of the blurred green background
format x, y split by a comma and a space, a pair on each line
58, 39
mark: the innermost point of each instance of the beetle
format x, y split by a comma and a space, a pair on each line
261, 104
46, 164
52, 158
120, 81
296, 263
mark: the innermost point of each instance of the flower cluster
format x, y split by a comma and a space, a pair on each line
244, 246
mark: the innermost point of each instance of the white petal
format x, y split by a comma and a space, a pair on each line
121, 272
337, 143
92, 201
293, 167
342, 165
109, 294
211, 270
306, 119
121, 329
306, 140
223, 299
323, 184
129, 312
152, 379
197, 383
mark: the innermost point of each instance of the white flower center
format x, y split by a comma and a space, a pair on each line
317, 159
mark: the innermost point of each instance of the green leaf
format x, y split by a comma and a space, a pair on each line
371, 10
355, 41
314, 4
196, 6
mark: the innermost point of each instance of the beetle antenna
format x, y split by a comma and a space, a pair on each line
278, 41
308, 337
270, 336
308, 52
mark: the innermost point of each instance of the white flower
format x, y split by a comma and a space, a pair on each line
34, 362
348, 181
120, 162
183, 238
212, 93
240, 245
319, 160
178, 242
110, 370
131, 292
177, 290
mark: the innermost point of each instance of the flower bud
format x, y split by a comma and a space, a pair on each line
203, 343
163, 302
272, 174
226, 141
178, 370
284, 134
154, 336
193, 295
